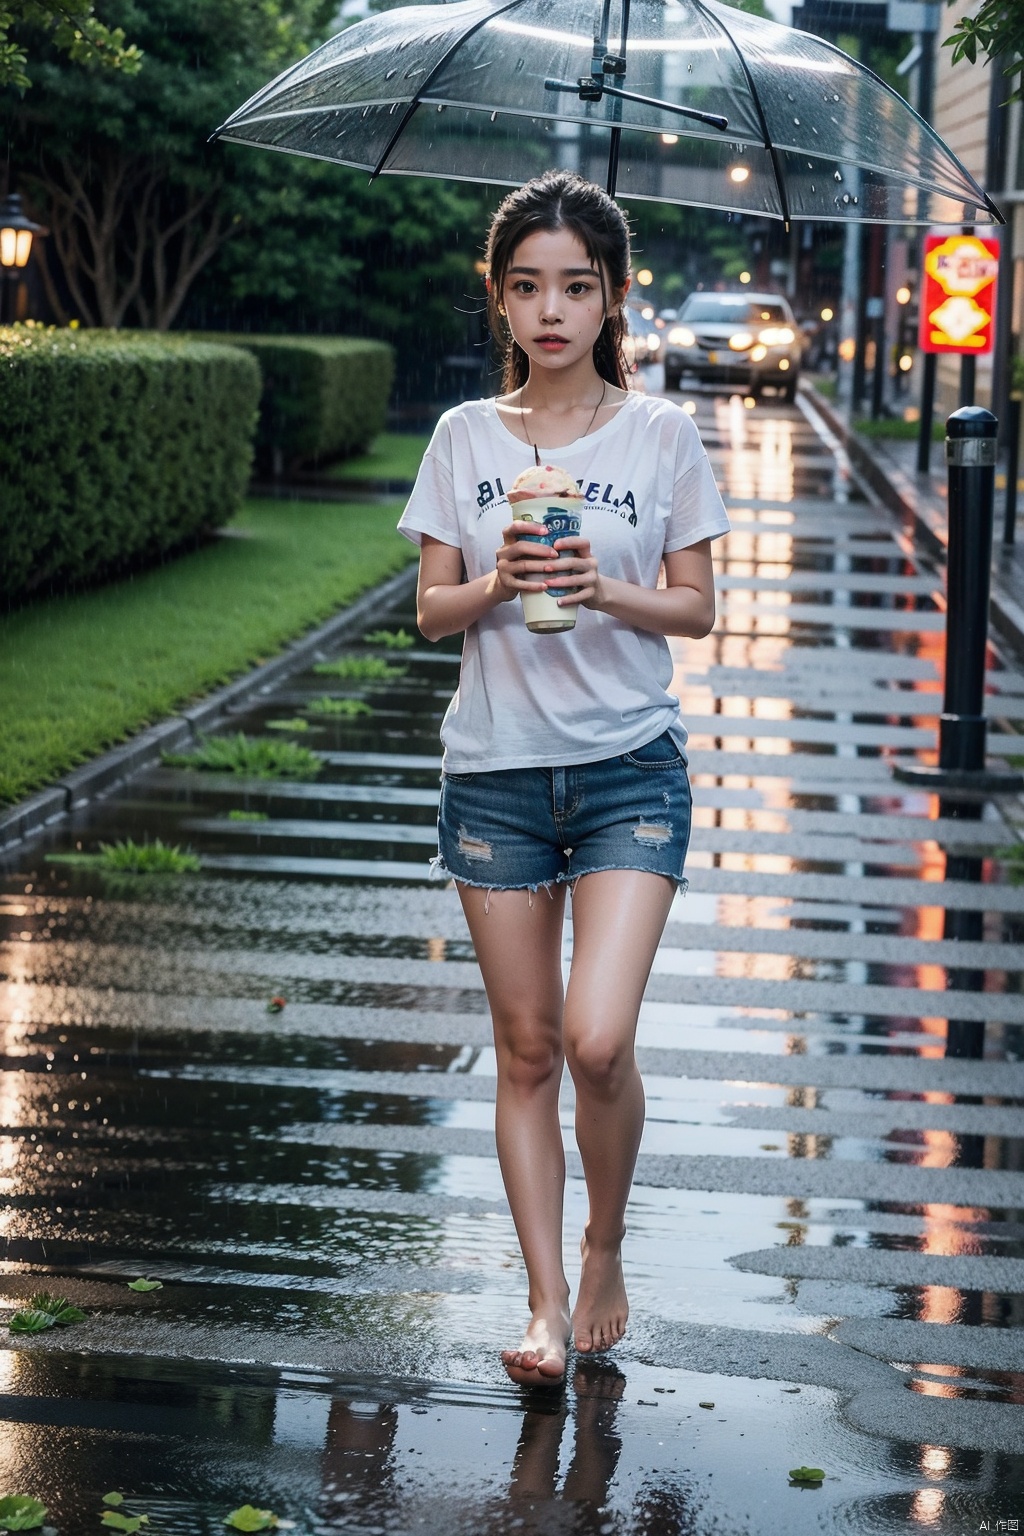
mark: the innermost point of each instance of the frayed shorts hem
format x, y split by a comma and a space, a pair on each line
440, 871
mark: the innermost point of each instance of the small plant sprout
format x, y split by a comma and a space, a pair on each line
156, 858
252, 756
360, 669
143, 1286
45, 1311
390, 639
247, 816
247, 1518
20, 1512
806, 1477
295, 724
344, 708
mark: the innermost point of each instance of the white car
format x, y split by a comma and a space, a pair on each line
742, 339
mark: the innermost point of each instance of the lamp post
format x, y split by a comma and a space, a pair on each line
17, 232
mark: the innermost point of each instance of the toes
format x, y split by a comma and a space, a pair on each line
584, 1342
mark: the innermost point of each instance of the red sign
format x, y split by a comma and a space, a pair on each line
958, 295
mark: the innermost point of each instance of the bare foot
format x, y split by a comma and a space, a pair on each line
540, 1359
599, 1317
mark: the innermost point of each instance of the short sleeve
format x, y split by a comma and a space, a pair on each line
698, 511
431, 507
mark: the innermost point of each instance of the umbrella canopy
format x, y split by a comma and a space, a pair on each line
684, 101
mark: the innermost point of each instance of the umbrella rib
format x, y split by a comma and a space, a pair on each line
442, 61
780, 181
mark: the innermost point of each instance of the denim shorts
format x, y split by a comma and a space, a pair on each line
521, 828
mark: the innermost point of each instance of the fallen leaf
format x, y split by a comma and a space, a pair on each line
145, 1285
127, 1523
806, 1475
276, 1004
705, 1405
249, 1519
19, 1512
113, 1498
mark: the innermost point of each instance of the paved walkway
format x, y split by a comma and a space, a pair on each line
826, 1251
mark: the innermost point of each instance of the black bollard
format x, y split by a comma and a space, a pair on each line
971, 459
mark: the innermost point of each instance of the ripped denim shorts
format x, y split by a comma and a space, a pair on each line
520, 828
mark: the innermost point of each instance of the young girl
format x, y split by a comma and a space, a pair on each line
563, 753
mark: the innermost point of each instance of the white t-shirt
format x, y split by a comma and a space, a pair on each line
600, 689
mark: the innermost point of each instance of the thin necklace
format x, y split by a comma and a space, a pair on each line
590, 423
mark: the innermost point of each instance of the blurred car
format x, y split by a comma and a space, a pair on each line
642, 343
743, 339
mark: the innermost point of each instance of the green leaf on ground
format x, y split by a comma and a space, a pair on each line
145, 1285
249, 1519
247, 816
295, 724
347, 708
19, 1512
361, 669
806, 1475
390, 639
31, 1320
58, 1307
113, 1498
127, 1523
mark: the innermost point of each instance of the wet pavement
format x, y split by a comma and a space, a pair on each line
826, 1250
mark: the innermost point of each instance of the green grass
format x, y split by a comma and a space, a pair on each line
896, 427
360, 669
390, 639
247, 816
80, 673
127, 857
346, 707
253, 756
392, 456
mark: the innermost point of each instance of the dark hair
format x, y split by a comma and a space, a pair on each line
560, 200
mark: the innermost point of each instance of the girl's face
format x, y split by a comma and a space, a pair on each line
553, 300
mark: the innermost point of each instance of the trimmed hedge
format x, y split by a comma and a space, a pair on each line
114, 448
324, 397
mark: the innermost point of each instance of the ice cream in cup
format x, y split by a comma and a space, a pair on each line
549, 497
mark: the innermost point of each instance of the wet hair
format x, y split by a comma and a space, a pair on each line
560, 200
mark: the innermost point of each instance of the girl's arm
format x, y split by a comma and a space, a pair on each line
446, 605
684, 606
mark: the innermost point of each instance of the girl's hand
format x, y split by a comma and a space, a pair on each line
576, 578
519, 564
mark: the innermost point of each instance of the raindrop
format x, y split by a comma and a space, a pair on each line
494, 117
689, 69
810, 165
813, 187
814, 130
834, 97
796, 122
790, 96
440, 110
846, 198
837, 176
855, 201
391, 74
520, 65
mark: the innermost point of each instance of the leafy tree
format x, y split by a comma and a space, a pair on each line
116, 162
72, 28
996, 29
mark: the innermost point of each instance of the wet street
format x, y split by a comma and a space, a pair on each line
826, 1247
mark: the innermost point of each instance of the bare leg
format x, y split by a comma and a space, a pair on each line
518, 942
618, 919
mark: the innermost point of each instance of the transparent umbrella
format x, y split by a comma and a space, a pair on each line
682, 101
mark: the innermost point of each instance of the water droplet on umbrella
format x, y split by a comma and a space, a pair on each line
391, 74
855, 201
689, 69
494, 117
837, 176
440, 110
846, 198
834, 97
796, 122
813, 187
810, 165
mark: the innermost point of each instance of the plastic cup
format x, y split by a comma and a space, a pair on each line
559, 516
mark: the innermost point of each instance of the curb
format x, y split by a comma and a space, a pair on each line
895, 489
112, 768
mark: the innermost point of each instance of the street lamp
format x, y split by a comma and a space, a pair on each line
16, 235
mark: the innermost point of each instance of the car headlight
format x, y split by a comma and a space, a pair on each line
777, 336
740, 341
653, 341
681, 336
758, 353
